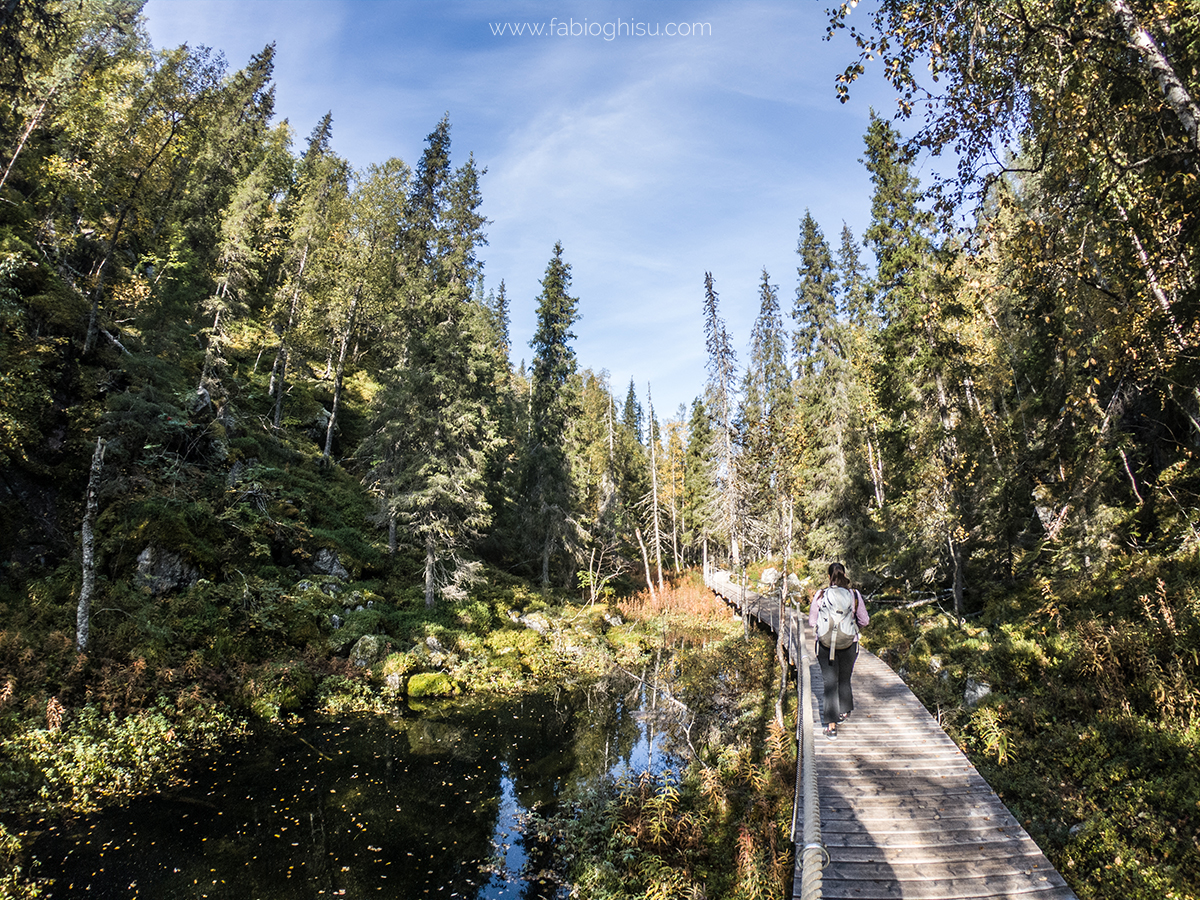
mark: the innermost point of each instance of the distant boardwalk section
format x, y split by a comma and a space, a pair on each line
904, 814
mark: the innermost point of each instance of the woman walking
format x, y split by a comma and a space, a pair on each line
838, 613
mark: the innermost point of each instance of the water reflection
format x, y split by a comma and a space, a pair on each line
426, 803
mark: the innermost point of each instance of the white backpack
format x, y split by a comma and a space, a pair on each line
837, 626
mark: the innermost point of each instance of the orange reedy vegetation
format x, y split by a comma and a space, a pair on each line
687, 596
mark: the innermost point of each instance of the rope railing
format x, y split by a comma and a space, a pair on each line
806, 835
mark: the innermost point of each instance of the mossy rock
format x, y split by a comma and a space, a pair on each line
430, 684
509, 660
277, 687
521, 640
368, 649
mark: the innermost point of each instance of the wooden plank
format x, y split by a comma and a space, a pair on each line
1024, 857
961, 868
882, 809
945, 889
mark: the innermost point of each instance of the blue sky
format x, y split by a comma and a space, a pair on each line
653, 159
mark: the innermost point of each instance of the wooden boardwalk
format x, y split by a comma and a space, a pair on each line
904, 814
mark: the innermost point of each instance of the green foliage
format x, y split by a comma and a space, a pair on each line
338, 695
15, 882
91, 757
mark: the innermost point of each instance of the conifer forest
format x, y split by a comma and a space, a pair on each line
242, 381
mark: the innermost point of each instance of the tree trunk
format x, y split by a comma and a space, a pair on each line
1173, 88
546, 547
430, 562
84, 613
208, 351
875, 464
33, 123
281, 363
281, 356
645, 562
745, 611
956, 557
781, 621
89, 341
675, 535
337, 380
654, 495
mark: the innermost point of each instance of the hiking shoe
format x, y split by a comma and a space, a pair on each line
843, 717
831, 731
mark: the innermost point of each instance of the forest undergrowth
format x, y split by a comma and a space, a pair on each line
1091, 732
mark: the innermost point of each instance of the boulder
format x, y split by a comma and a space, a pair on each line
769, 576
794, 583
326, 562
975, 691
367, 650
613, 619
162, 571
537, 622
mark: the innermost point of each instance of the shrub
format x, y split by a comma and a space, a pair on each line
94, 757
277, 687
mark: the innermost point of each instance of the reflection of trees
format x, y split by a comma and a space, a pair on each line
606, 730
361, 803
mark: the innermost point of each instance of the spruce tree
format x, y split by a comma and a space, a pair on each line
899, 234
823, 387
720, 399
854, 295
699, 512
434, 416
762, 418
310, 212
546, 485
633, 414
366, 267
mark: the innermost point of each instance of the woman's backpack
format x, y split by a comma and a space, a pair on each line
837, 626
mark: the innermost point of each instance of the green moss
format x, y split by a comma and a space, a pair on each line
430, 684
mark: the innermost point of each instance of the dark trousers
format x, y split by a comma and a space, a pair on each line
839, 696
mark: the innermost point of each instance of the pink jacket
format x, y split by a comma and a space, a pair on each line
860, 610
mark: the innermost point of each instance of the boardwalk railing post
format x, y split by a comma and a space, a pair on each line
813, 855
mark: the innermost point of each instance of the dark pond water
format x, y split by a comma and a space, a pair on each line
414, 805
